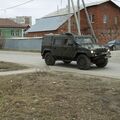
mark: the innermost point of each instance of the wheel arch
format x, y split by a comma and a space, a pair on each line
79, 53
44, 52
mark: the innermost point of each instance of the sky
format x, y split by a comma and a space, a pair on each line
34, 8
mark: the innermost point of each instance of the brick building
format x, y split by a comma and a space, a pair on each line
104, 16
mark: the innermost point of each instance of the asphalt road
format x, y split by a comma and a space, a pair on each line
34, 60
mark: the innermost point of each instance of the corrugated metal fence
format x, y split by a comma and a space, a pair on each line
32, 44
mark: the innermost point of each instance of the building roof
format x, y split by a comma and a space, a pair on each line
54, 20
8, 23
65, 10
48, 24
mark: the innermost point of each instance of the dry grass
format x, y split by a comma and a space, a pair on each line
59, 96
7, 66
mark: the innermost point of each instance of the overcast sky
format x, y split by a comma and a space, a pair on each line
35, 8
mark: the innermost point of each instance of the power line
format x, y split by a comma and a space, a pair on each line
18, 5
34, 0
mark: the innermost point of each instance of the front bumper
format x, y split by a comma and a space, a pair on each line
101, 55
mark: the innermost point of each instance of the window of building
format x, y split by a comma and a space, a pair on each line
17, 33
12, 33
92, 18
105, 19
116, 20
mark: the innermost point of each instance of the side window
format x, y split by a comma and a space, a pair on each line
58, 41
47, 41
70, 42
65, 42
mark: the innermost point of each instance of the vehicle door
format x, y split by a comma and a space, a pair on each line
68, 48
46, 43
56, 47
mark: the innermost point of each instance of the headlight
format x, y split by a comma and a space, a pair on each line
92, 51
108, 50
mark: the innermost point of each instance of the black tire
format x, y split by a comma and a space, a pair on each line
49, 59
83, 62
67, 61
102, 62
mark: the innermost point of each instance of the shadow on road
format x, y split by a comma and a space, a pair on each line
74, 66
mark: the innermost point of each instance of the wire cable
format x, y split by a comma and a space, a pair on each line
18, 5
34, 0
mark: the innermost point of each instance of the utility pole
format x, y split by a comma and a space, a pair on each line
78, 27
78, 4
69, 19
89, 22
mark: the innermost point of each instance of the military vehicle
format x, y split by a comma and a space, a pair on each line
68, 47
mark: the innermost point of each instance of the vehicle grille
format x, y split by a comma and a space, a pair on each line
101, 51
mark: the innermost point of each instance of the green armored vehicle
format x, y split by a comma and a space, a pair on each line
68, 47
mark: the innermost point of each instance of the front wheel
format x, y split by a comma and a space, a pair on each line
49, 59
102, 62
83, 62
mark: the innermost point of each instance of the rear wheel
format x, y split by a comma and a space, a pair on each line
102, 62
49, 59
83, 62
67, 61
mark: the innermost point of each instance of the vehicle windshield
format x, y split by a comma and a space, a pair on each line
111, 42
79, 40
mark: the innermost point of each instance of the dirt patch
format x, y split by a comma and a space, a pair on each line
59, 96
7, 66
